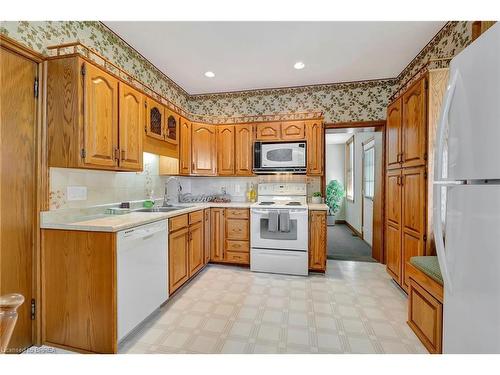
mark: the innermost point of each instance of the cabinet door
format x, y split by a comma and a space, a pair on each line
204, 149
172, 121
293, 130
393, 148
414, 209
178, 271
243, 156
315, 149
269, 131
185, 147
225, 150
196, 255
207, 230
414, 125
393, 224
131, 120
217, 235
317, 241
155, 119
100, 129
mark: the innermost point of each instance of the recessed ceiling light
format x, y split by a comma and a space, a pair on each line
209, 74
299, 65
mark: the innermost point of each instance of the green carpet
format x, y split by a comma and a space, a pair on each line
343, 244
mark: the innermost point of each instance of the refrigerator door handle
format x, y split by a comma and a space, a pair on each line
443, 126
438, 173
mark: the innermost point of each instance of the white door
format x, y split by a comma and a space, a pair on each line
368, 189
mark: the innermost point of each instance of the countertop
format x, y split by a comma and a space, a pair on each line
93, 219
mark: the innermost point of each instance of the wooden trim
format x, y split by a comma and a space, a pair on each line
355, 124
42, 175
426, 282
347, 161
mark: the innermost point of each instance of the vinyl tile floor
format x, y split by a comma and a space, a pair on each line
353, 308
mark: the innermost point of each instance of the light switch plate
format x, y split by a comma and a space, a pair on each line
76, 193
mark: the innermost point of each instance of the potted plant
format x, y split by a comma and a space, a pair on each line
317, 198
334, 194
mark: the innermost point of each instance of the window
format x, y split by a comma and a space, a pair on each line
349, 169
369, 170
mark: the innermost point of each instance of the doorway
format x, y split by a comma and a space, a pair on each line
354, 167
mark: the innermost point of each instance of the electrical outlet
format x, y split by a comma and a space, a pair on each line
76, 193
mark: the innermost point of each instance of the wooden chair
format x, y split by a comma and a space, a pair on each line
8, 317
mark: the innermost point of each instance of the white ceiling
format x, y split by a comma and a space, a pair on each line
255, 55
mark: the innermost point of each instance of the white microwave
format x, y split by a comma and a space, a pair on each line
276, 157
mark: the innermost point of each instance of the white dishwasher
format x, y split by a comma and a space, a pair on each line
142, 273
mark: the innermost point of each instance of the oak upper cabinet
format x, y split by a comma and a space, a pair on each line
243, 150
268, 131
185, 147
394, 129
155, 119
393, 223
131, 120
203, 149
225, 150
196, 246
315, 147
413, 183
293, 131
100, 117
414, 129
217, 235
317, 241
171, 130
207, 230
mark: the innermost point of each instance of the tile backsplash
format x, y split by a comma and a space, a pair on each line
104, 187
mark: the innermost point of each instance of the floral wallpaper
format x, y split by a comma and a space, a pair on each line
339, 102
38, 35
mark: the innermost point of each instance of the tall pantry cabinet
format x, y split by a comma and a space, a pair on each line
411, 125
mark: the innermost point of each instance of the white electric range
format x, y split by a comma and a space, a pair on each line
280, 229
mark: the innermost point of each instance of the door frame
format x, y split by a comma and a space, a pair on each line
363, 186
378, 245
42, 175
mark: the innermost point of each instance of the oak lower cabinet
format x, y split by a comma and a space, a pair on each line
230, 235
393, 213
186, 254
207, 230
79, 290
317, 241
86, 128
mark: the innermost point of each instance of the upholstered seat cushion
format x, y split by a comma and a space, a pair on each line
428, 265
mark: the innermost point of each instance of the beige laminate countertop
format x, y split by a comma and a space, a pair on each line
99, 222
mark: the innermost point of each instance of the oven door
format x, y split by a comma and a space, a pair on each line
295, 239
283, 155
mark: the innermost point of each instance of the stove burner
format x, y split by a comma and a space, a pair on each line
265, 203
294, 204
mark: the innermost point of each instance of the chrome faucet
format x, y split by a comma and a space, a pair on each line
165, 195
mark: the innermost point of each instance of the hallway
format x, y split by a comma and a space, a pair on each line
343, 244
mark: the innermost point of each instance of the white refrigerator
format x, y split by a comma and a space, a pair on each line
467, 198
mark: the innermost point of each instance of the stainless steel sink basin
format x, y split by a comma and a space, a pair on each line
161, 209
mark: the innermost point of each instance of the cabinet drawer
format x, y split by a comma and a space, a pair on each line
241, 246
195, 217
235, 257
177, 222
237, 213
236, 229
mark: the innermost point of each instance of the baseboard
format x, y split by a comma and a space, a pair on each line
355, 231
340, 222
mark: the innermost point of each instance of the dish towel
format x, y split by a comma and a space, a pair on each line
272, 225
284, 221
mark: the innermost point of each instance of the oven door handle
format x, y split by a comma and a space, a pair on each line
265, 213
